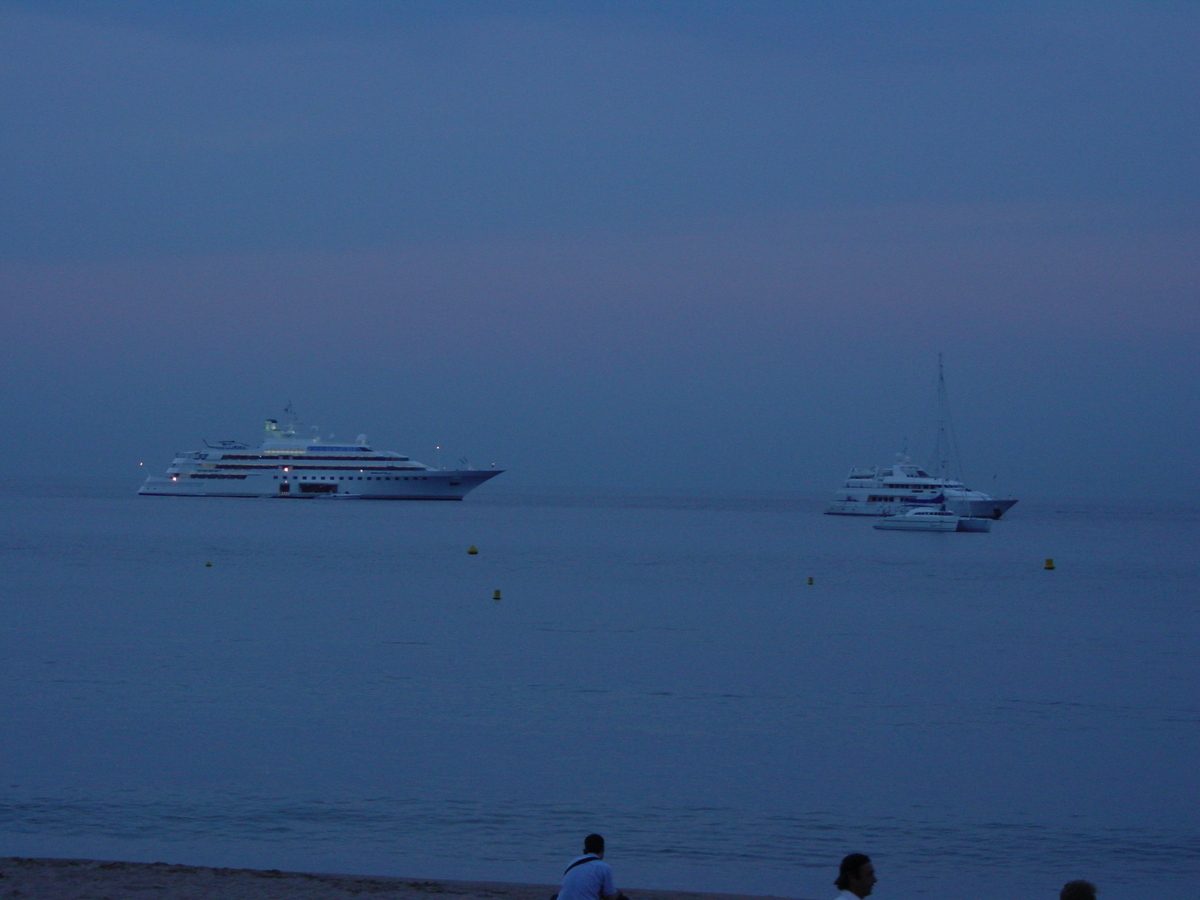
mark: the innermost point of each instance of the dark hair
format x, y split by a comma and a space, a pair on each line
850, 866
1078, 890
593, 843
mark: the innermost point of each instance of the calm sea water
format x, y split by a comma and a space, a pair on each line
340, 691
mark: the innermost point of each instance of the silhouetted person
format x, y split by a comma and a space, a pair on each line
589, 877
856, 877
1078, 890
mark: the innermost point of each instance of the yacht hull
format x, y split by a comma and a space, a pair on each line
433, 485
979, 509
968, 508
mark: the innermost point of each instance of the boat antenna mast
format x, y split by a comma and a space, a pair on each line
289, 424
945, 448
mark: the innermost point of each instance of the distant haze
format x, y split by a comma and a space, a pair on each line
669, 246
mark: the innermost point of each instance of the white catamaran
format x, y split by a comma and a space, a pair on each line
289, 465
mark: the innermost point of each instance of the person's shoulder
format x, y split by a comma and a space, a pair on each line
583, 862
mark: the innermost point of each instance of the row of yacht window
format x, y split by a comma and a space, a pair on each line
349, 478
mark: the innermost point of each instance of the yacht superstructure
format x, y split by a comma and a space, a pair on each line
287, 464
880, 492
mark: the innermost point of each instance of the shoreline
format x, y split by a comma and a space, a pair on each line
86, 879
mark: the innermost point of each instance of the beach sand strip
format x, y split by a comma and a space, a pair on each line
86, 879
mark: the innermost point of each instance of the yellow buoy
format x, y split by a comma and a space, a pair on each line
810, 581
496, 594
472, 550
208, 564
1049, 564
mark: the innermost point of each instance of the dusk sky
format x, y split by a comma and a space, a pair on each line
656, 246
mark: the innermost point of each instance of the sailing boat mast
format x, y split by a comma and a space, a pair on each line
945, 448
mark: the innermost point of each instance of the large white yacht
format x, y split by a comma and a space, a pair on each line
881, 492
891, 491
290, 465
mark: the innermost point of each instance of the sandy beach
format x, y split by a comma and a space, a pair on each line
85, 879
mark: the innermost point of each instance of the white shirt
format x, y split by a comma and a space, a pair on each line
587, 881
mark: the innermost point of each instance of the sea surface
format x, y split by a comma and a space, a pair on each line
735, 690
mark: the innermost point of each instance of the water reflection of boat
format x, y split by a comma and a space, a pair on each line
974, 523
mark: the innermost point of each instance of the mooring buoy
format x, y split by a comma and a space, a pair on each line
1049, 564
472, 550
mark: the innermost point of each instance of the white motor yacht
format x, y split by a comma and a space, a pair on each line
289, 465
927, 518
880, 492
